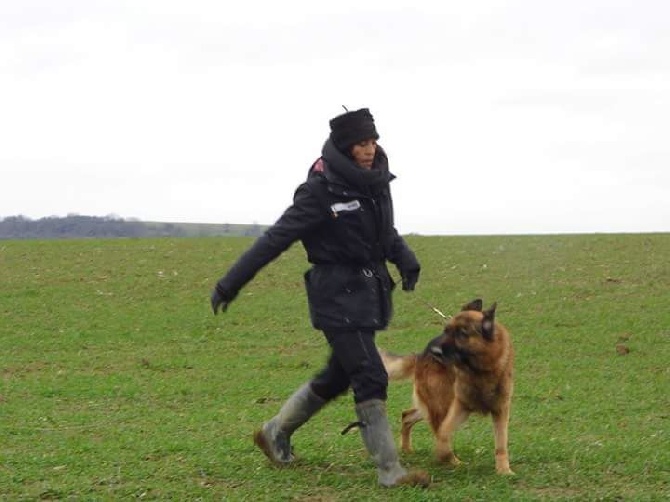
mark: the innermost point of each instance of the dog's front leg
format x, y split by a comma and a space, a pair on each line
500, 428
455, 417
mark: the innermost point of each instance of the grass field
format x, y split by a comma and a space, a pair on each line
117, 382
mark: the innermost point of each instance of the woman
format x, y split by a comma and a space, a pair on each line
343, 214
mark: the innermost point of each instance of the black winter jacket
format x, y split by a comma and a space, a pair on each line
343, 214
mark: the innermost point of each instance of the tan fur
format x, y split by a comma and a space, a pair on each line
398, 367
468, 368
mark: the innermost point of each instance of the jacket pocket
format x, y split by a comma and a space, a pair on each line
343, 297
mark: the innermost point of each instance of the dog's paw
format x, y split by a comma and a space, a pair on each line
502, 464
449, 459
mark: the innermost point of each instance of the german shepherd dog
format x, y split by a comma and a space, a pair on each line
468, 368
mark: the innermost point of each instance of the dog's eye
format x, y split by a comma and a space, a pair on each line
461, 333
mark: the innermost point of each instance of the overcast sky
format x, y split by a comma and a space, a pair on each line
499, 117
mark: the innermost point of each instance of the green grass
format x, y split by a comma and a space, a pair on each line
117, 382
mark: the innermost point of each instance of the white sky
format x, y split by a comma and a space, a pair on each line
499, 117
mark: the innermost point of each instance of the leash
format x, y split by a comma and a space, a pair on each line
352, 425
436, 310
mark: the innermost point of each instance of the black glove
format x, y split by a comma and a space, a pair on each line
220, 299
409, 280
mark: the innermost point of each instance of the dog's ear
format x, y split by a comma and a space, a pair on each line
488, 322
476, 305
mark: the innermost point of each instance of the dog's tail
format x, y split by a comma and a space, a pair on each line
398, 367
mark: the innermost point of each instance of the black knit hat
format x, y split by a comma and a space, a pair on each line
352, 127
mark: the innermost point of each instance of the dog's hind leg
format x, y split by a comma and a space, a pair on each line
409, 418
455, 417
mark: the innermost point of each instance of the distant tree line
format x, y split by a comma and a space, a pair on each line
20, 227
77, 226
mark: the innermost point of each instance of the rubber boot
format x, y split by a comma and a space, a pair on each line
378, 441
274, 438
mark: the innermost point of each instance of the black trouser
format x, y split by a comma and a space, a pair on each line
354, 362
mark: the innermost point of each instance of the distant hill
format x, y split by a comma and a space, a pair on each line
77, 226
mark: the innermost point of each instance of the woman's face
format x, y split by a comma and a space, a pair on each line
363, 153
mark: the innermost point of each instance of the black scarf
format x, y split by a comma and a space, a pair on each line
366, 180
